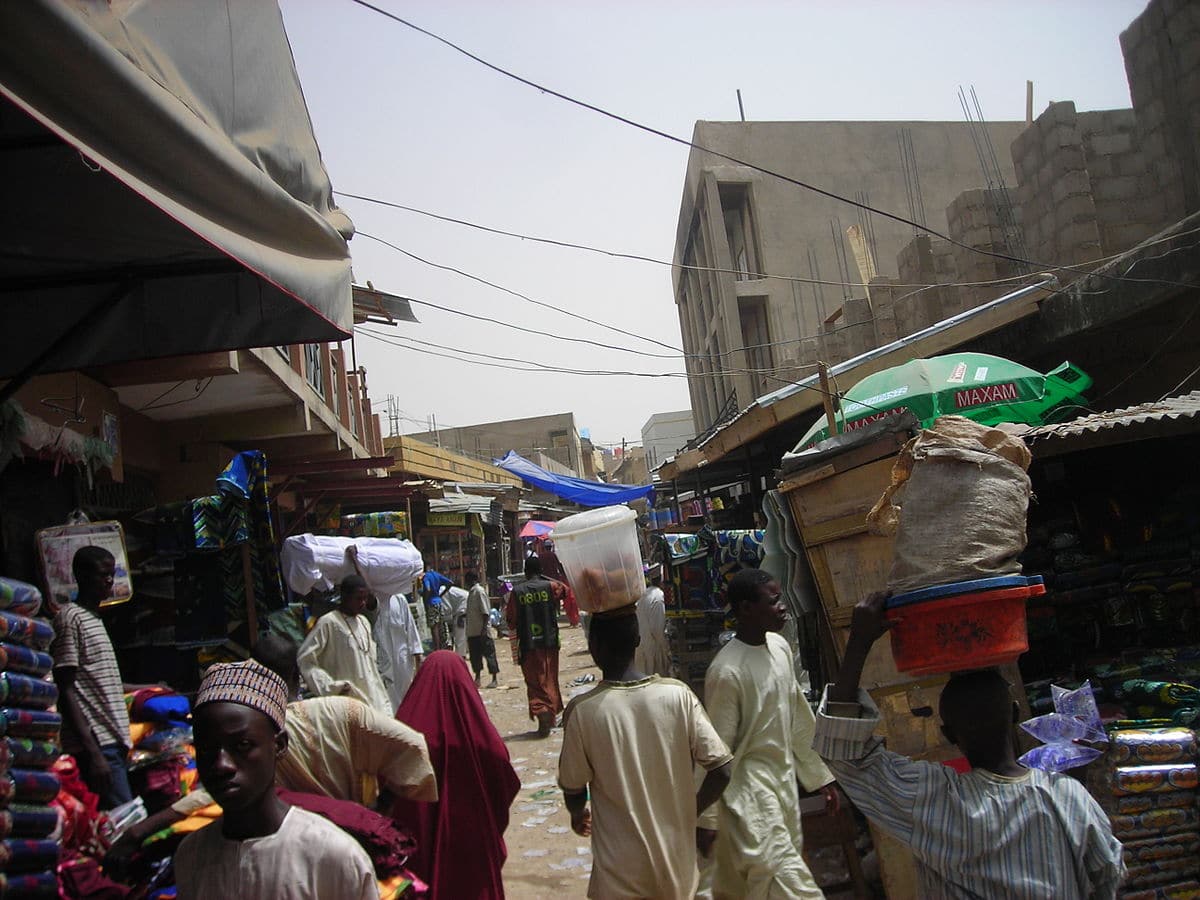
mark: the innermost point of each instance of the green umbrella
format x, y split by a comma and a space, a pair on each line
986, 389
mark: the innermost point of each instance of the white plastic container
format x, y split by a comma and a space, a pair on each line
599, 551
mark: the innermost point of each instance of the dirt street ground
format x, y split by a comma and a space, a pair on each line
545, 858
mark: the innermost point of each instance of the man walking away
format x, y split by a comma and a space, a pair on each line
479, 641
91, 695
755, 703
1000, 830
261, 846
633, 743
533, 615
653, 657
400, 650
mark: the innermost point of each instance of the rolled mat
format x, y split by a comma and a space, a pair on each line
21, 855
28, 786
32, 886
1140, 803
1154, 779
32, 723
1152, 746
25, 690
26, 660
23, 630
1152, 822
27, 821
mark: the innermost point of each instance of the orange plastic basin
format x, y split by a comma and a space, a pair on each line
968, 631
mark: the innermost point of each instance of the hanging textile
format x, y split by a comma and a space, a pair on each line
246, 477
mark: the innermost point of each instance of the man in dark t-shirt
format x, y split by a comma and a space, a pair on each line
533, 616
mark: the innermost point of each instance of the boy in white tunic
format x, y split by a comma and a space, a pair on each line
338, 658
260, 847
755, 703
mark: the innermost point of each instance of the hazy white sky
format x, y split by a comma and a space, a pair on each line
403, 118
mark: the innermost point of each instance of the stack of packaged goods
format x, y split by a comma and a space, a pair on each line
29, 746
1151, 781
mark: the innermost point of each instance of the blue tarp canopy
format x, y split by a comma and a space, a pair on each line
577, 490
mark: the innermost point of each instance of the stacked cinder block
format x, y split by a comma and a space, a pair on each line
1130, 207
928, 262
883, 299
1162, 62
974, 218
1054, 191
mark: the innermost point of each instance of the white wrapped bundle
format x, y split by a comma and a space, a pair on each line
388, 565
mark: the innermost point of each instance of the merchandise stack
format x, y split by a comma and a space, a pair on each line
1149, 788
29, 736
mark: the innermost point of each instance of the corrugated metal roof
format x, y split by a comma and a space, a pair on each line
1185, 406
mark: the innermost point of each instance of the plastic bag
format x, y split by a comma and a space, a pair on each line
1075, 718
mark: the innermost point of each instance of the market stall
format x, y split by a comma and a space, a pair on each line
1116, 536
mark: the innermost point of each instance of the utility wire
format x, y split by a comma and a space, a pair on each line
583, 104
797, 279
526, 297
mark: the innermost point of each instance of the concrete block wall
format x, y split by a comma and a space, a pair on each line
927, 263
1130, 205
975, 219
1054, 192
1162, 62
883, 301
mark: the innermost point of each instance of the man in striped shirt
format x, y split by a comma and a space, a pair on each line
91, 695
1000, 830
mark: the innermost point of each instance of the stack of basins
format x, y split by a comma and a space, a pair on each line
29, 736
964, 625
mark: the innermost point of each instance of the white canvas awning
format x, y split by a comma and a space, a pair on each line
164, 193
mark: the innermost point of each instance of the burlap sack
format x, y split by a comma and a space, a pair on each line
956, 505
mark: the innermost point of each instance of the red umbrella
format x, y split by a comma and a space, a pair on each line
533, 529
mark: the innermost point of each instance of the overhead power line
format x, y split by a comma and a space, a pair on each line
832, 195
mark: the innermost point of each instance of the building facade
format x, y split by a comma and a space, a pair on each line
555, 437
665, 433
746, 334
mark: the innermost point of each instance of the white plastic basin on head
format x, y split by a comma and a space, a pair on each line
599, 551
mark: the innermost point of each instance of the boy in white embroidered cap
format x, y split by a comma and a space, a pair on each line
261, 846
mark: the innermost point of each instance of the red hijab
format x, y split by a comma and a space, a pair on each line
476, 784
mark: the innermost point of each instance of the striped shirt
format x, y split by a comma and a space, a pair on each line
977, 835
82, 643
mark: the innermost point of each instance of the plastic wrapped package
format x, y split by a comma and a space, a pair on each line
28, 786
1154, 779
32, 886
1181, 890
19, 598
32, 723
26, 660
24, 690
24, 820
1134, 804
390, 566
1154, 822
1153, 746
28, 855
23, 630
28, 753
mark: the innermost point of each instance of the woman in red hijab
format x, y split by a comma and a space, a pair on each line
476, 784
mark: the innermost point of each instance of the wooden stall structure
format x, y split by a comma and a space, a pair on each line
829, 501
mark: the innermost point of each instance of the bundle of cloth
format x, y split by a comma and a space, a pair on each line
314, 561
161, 763
29, 747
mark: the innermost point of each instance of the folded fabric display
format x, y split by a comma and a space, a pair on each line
160, 764
23, 855
79, 809
28, 753
24, 690
28, 786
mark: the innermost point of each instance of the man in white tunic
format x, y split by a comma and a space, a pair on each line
653, 657
457, 599
260, 846
756, 705
400, 648
338, 658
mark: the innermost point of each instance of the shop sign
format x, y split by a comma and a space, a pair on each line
446, 520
